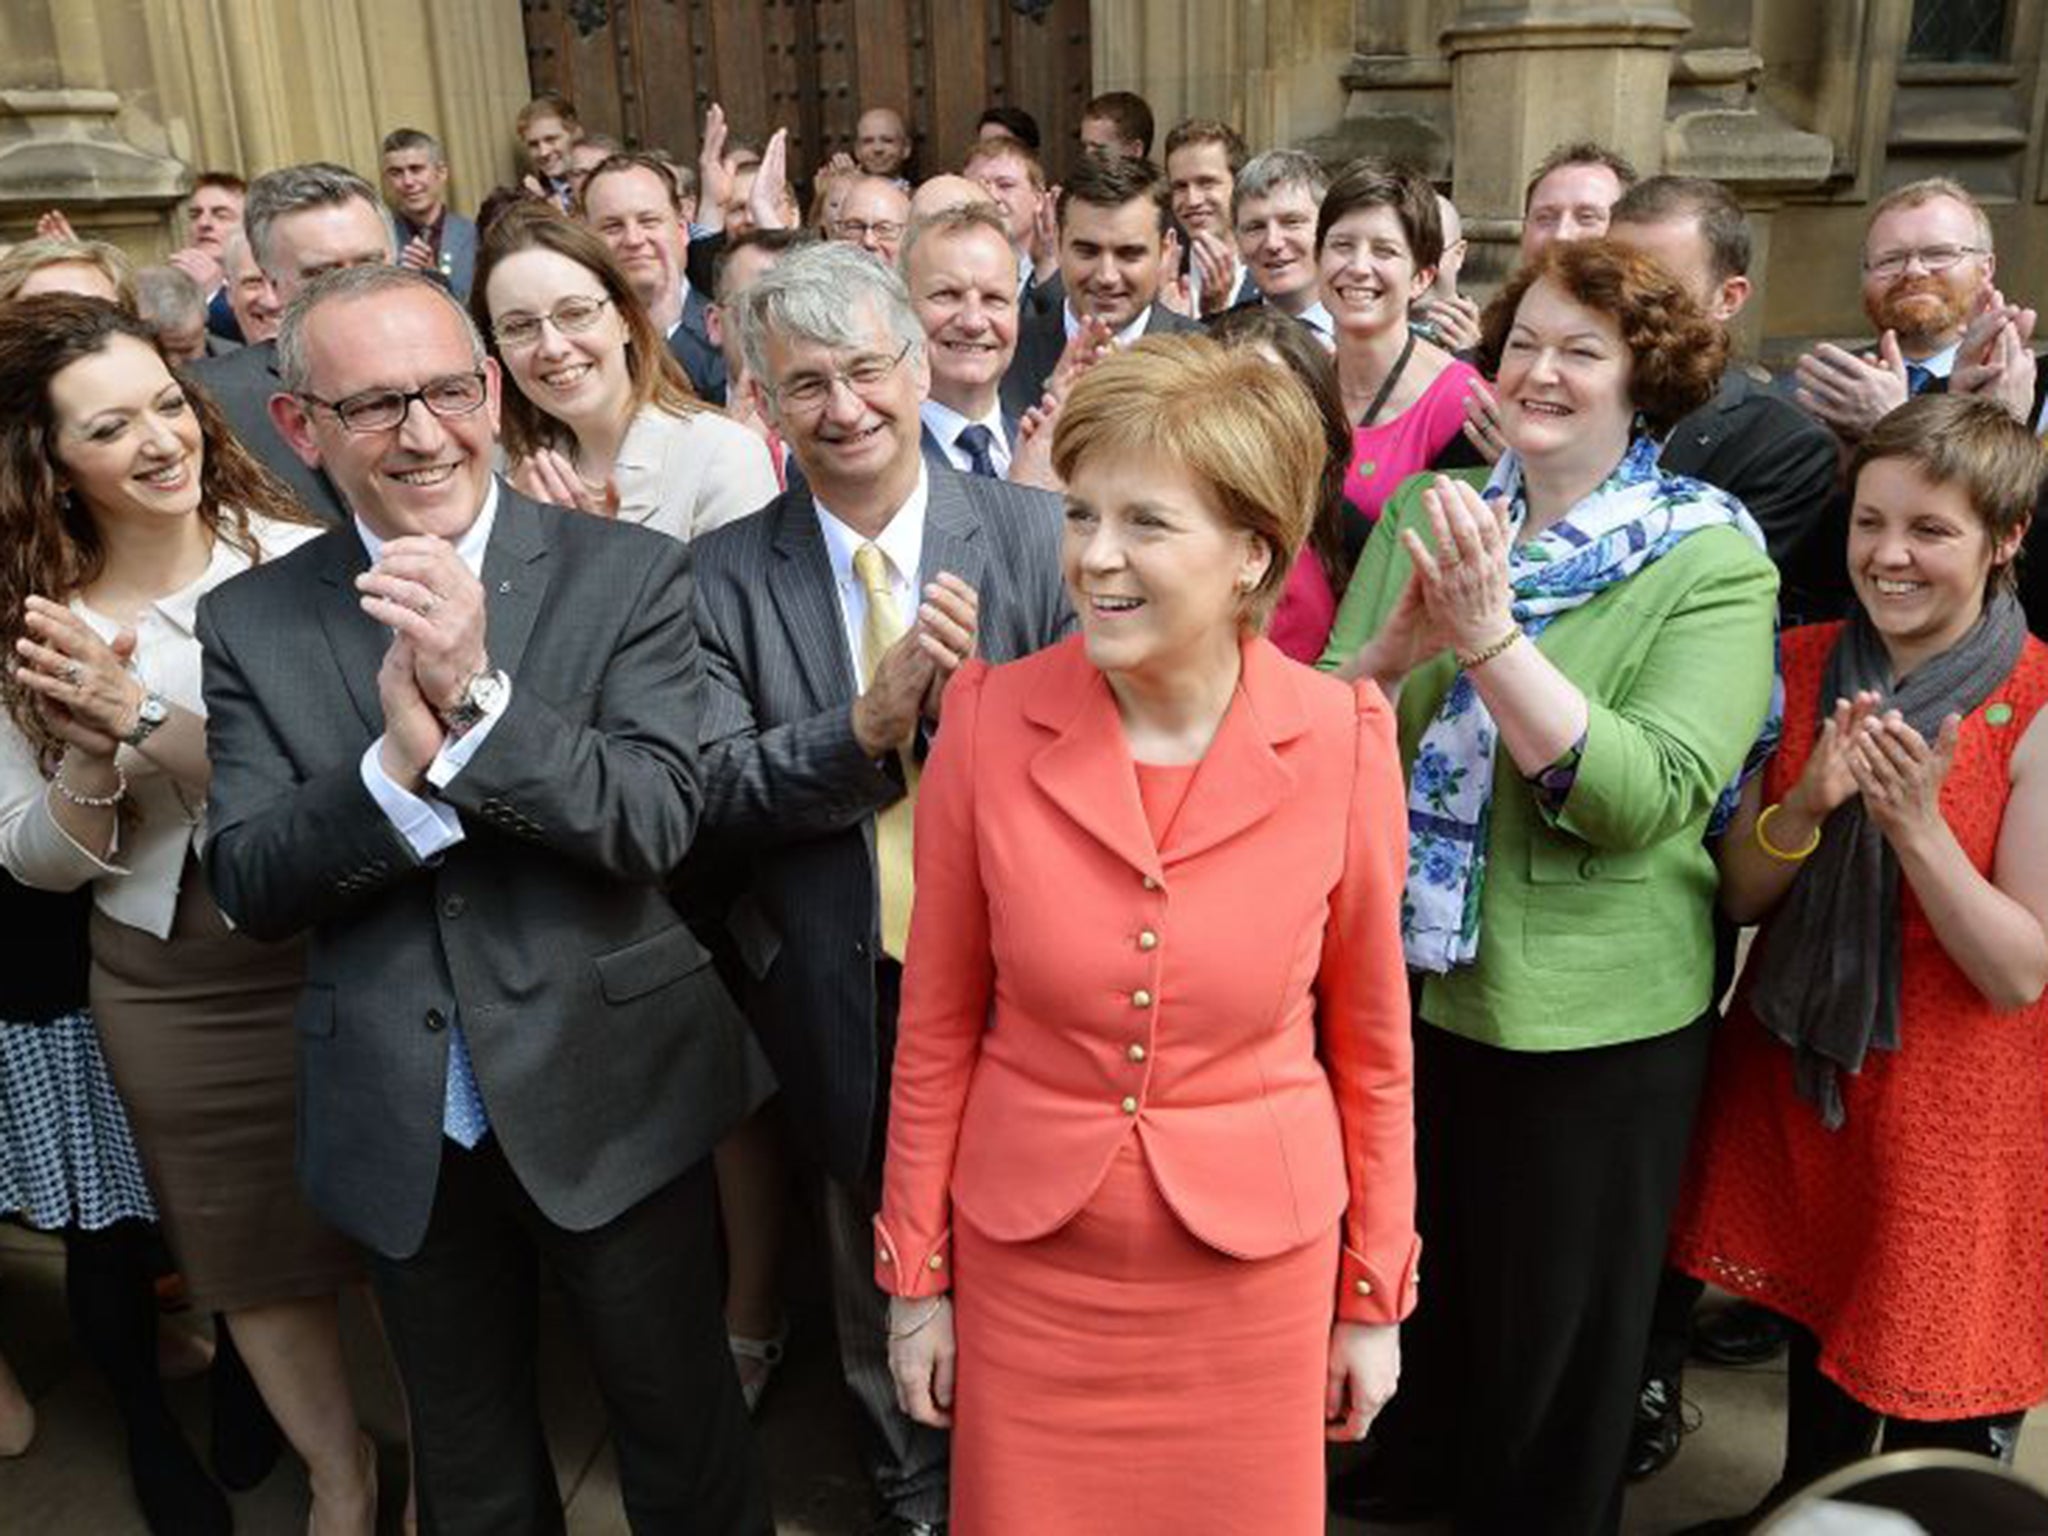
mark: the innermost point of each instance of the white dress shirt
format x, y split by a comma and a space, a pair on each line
1123, 338
430, 826
138, 882
902, 546
947, 424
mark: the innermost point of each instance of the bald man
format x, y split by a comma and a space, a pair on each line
873, 216
938, 193
881, 143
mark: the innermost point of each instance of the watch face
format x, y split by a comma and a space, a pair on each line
154, 710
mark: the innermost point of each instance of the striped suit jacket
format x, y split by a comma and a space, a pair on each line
790, 797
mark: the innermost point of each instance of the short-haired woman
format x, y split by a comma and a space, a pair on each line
48, 264
600, 416
1872, 1158
1379, 236
1150, 1130
1582, 662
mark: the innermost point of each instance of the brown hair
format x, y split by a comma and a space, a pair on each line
1110, 181
1973, 444
1207, 130
1367, 184
1239, 424
1667, 199
49, 544
1125, 111
548, 104
1675, 352
656, 377
999, 148
621, 161
1579, 152
1260, 325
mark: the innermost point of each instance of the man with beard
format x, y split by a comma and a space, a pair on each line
1927, 270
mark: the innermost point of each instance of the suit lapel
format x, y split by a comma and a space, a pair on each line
1085, 769
803, 594
1242, 779
357, 640
952, 531
515, 578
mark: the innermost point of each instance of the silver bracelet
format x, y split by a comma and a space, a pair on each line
92, 802
919, 1326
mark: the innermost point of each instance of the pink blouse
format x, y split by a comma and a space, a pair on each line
1300, 626
1385, 454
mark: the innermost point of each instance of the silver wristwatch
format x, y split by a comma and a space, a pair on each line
152, 712
485, 692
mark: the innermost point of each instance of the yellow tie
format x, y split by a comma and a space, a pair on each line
882, 628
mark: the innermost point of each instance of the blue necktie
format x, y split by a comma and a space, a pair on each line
1918, 376
463, 1120
974, 441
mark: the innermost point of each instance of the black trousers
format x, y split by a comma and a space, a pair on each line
645, 1289
1546, 1181
1826, 1428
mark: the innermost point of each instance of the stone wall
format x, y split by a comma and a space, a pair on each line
107, 107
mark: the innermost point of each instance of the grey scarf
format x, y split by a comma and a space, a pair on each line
1828, 980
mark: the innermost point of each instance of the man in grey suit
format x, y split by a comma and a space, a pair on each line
430, 236
815, 725
1114, 255
455, 742
300, 221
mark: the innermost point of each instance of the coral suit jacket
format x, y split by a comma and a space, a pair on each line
1235, 1000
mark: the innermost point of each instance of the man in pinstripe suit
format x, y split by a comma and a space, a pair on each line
813, 732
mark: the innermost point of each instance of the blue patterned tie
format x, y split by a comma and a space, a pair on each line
1918, 376
463, 1119
974, 441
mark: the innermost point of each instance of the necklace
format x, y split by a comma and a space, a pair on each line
1387, 384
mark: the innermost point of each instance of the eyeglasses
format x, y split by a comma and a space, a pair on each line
860, 229
1932, 258
809, 391
383, 410
571, 317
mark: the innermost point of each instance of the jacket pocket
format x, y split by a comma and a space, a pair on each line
1589, 909
649, 964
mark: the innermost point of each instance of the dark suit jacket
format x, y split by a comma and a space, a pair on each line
609, 1057
241, 384
788, 787
1042, 337
1781, 464
692, 345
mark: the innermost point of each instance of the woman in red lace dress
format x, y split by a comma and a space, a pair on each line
1872, 1156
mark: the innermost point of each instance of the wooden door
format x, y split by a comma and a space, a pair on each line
644, 71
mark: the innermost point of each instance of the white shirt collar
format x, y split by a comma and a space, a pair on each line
947, 425
1941, 364
901, 541
1123, 338
470, 547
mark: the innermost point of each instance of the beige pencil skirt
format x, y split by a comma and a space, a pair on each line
197, 1031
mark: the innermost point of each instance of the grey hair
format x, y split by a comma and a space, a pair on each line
317, 184
165, 296
233, 254
817, 293
1265, 174
414, 138
294, 368
957, 220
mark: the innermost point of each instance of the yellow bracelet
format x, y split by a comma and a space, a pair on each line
1481, 657
1780, 854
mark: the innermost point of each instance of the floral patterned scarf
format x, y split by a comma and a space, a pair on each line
1636, 516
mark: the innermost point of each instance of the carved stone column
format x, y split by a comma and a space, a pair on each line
1526, 77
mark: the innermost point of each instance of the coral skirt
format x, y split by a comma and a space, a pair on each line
1121, 1377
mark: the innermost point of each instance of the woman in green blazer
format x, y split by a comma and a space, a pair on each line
1581, 663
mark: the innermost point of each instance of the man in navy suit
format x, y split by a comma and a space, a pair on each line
1112, 229
962, 276
429, 236
633, 204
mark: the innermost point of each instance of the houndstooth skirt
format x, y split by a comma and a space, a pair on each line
66, 1155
